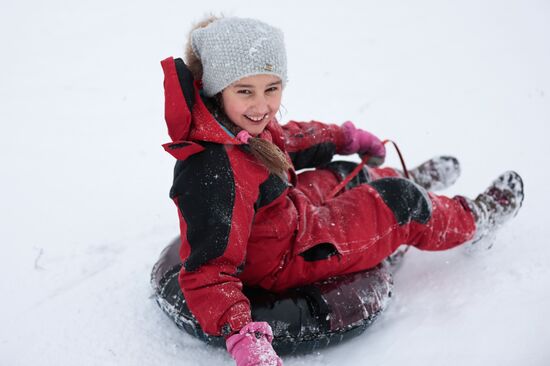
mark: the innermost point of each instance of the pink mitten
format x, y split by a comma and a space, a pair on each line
252, 346
363, 143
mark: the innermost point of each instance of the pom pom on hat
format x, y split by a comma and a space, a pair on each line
233, 48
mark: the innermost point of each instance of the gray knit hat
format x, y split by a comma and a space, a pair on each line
233, 48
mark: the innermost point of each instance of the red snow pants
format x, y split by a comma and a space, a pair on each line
361, 218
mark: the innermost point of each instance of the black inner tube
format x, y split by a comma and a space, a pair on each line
303, 319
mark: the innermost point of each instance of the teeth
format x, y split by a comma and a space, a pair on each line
256, 119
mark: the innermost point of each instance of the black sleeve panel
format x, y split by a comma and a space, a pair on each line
270, 189
344, 168
186, 82
205, 191
407, 200
313, 156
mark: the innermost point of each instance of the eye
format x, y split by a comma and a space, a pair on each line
272, 89
244, 91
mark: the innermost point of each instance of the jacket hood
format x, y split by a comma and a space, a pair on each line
183, 108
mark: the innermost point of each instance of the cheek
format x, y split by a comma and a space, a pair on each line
275, 103
233, 108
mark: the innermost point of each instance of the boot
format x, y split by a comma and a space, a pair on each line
500, 202
437, 173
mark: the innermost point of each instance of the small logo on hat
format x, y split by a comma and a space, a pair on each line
268, 67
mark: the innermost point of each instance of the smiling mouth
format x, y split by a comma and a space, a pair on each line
256, 119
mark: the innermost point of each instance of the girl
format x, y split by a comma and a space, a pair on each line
247, 217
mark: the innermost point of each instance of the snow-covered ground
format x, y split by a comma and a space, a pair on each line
84, 199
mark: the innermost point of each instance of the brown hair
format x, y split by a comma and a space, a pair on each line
264, 151
191, 60
270, 156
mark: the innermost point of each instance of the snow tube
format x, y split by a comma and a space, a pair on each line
303, 319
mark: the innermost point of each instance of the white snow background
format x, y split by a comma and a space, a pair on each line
84, 200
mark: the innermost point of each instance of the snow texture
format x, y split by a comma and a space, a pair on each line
85, 207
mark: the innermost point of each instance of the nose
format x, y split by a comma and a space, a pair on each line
261, 104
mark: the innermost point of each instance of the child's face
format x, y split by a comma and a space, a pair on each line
253, 101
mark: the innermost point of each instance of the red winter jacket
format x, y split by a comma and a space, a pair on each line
238, 223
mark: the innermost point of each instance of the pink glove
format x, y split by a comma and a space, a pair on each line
252, 346
363, 143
